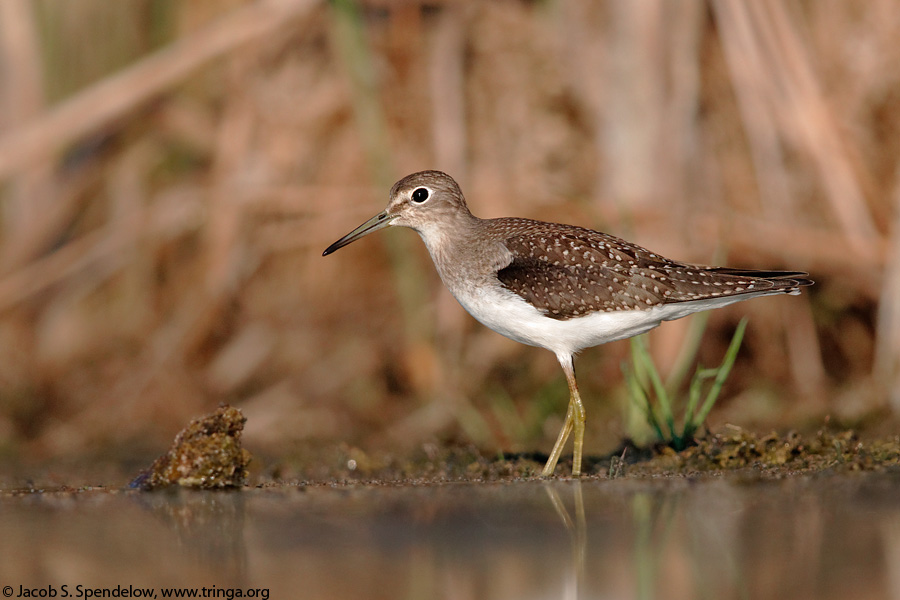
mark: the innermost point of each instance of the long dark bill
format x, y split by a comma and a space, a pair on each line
379, 221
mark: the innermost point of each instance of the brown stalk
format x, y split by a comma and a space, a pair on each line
114, 96
31, 192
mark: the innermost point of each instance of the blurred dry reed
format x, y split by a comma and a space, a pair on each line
171, 171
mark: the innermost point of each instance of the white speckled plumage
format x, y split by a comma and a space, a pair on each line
559, 287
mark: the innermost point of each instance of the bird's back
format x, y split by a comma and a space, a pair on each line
567, 272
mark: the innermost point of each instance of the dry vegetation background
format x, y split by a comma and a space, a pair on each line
170, 173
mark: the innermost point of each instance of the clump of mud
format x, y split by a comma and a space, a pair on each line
207, 454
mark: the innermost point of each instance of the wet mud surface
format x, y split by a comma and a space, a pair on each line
833, 535
738, 515
732, 452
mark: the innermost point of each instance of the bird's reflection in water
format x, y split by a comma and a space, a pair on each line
655, 530
577, 529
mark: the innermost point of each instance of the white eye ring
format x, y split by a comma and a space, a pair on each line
420, 195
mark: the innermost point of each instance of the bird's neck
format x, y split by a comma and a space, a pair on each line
447, 236
458, 247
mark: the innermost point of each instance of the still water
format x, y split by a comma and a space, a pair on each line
825, 537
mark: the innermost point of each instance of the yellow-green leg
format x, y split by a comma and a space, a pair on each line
574, 422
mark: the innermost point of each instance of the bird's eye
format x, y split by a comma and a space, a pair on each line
420, 195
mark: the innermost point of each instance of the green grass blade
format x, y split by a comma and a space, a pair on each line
641, 355
723, 371
639, 397
691, 424
693, 399
687, 354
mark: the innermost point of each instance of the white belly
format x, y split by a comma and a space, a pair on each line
509, 315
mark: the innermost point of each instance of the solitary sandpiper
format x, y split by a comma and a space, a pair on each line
559, 287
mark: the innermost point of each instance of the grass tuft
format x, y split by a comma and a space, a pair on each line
647, 392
